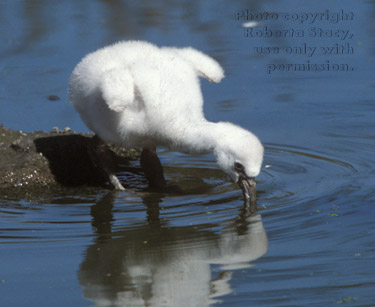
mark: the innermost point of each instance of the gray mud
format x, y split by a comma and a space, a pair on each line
40, 161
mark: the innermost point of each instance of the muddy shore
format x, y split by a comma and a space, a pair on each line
41, 161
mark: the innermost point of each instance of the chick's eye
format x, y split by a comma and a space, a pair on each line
238, 167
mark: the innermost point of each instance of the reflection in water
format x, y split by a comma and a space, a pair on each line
157, 265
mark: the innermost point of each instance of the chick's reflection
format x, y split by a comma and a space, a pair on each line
155, 265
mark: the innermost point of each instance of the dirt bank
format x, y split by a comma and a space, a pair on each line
48, 160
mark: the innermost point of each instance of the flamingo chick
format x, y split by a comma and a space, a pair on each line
135, 94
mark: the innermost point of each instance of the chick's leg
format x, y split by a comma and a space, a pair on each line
152, 168
103, 159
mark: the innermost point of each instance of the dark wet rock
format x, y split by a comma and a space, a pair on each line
46, 160
53, 97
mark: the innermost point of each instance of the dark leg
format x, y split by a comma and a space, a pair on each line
152, 168
103, 159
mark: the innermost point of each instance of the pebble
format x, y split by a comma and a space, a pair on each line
53, 97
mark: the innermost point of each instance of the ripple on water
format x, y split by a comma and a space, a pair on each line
201, 223
290, 176
298, 174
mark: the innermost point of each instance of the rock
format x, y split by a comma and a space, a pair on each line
45, 160
53, 97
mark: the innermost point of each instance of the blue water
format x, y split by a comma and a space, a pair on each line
312, 241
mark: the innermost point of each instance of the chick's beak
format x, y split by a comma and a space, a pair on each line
248, 187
